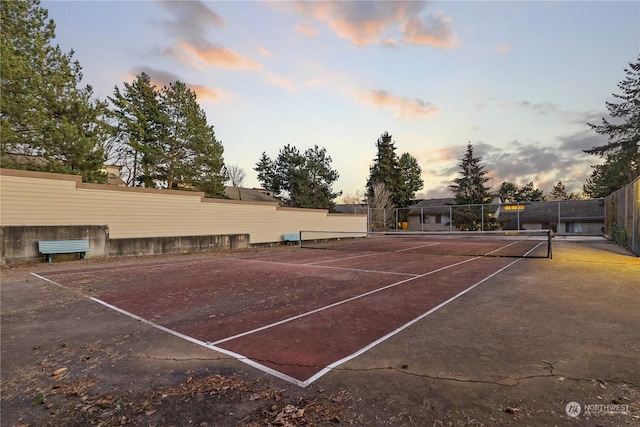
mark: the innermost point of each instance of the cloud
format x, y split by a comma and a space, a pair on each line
505, 48
218, 56
517, 162
161, 78
365, 23
280, 81
434, 30
307, 29
542, 164
191, 20
408, 109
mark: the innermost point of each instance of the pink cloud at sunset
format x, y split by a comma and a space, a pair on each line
217, 56
436, 31
365, 23
407, 109
307, 29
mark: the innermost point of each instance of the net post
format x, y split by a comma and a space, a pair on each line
300, 239
550, 244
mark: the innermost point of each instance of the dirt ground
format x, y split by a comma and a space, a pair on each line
516, 350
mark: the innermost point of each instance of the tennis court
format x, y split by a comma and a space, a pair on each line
298, 313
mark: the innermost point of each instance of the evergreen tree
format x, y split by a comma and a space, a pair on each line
167, 139
300, 180
266, 173
622, 152
48, 122
385, 169
560, 192
401, 176
410, 179
509, 192
470, 189
140, 119
320, 179
191, 155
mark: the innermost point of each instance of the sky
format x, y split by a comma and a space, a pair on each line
518, 80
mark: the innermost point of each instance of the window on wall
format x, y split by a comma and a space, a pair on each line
513, 207
574, 227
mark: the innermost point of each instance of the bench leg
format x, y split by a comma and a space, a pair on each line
47, 258
82, 256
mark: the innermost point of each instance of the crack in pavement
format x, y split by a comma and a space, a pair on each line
505, 382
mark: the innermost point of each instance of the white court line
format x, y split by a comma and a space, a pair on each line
366, 255
310, 380
417, 247
313, 265
335, 304
121, 267
337, 363
208, 345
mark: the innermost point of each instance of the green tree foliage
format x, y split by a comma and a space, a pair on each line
386, 167
48, 122
622, 152
401, 176
560, 192
266, 173
301, 180
510, 192
192, 156
139, 121
410, 179
165, 138
470, 189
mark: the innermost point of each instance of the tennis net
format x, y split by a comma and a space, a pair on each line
504, 243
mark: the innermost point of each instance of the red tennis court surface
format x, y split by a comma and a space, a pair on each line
293, 313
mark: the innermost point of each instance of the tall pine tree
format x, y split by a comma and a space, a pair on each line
410, 179
166, 137
48, 121
140, 119
386, 168
470, 189
622, 152
401, 176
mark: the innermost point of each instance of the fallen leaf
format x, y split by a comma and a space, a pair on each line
59, 371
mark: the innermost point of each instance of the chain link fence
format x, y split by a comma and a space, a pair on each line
563, 217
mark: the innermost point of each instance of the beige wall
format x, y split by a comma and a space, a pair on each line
34, 198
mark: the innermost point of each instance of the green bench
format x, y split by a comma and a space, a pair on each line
50, 247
